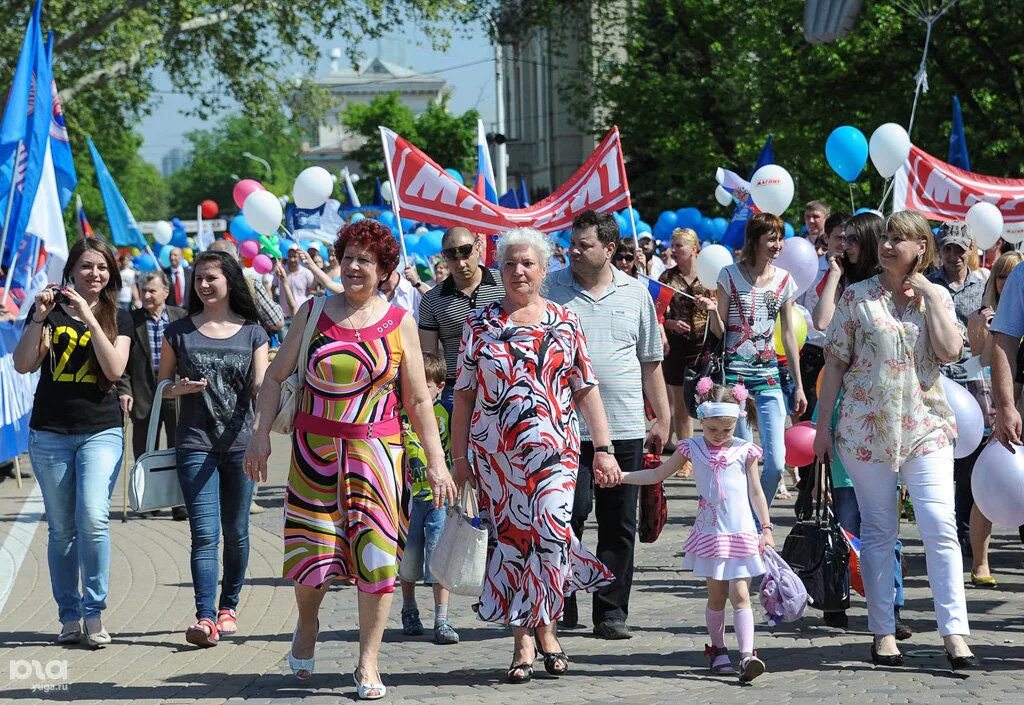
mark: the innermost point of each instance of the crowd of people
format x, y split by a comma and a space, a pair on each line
541, 382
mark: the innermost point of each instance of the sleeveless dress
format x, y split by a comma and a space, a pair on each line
724, 543
343, 513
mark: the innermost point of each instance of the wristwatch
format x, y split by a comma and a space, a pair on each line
610, 450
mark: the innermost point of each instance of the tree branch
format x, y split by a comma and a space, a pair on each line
95, 28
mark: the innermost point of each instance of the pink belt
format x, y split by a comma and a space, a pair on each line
309, 423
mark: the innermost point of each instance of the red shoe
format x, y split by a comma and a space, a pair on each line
203, 633
721, 664
227, 622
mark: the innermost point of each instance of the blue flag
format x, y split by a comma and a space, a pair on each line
60, 145
124, 231
24, 132
484, 170
524, 195
378, 195
957, 140
735, 233
509, 200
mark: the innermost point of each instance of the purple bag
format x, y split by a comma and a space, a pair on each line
782, 592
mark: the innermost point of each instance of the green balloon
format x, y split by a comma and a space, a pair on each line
270, 245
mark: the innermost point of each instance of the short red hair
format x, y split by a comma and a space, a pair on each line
373, 236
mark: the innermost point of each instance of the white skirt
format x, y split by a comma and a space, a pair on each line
724, 568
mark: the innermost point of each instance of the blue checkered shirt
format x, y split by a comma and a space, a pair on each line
156, 326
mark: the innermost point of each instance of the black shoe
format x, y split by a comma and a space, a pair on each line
958, 663
570, 614
839, 620
179, 513
888, 660
965, 547
903, 631
612, 630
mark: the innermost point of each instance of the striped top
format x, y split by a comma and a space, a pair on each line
622, 331
445, 308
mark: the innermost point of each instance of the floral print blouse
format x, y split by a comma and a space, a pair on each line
893, 409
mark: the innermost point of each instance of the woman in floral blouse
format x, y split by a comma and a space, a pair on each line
887, 341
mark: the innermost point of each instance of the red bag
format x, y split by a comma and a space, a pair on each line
653, 506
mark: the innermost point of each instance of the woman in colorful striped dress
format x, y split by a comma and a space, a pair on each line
343, 515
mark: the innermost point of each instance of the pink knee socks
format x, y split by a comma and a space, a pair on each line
743, 623
716, 626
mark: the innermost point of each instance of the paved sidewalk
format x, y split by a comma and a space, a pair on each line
150, 604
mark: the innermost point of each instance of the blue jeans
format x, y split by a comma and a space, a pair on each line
217, 496
771, 422
425, 526
76, 475
844, 503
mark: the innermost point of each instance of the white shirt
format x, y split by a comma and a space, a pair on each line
657, 267
406, 296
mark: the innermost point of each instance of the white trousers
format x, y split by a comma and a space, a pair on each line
930, 481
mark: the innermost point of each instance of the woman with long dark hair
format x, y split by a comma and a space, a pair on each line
219, 354
78, 339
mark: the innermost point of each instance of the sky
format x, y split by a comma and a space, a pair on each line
473, 85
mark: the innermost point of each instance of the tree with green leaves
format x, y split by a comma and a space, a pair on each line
448, 139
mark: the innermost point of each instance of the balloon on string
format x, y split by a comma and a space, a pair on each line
800, 259
144, 263
787, 231
165, 257
718, 227
970, 422
771, 188
688, 218
385, 191
997, 483
249, 249
889, 147
162, 232
799, 327
710, 262
456, 174
704, 229
1013, 233
313, 186
209, 209
262, 264
799, 440
242, 190
723, 197
263, 212
240, 228
846, 151
669, 218
986, 223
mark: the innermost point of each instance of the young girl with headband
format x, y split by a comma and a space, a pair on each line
725, 545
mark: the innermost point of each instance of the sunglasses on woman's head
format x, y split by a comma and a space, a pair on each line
460, 252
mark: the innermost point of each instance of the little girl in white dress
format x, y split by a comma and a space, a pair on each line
725, 545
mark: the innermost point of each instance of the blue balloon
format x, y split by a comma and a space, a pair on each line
241, 229
623, 224
412, 243
642, 227
408, 225
387, 217
356, 217
718, 228
688, 218
788, 228
704, 229
179, 238
165, 257
456, 174
669, 218
846, 151
430, 244
144, 263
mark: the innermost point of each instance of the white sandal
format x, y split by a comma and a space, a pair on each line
364, 690
299, 665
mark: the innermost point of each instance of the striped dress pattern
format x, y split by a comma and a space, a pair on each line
344, 518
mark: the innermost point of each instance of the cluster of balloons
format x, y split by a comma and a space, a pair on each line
847, 150
707, 229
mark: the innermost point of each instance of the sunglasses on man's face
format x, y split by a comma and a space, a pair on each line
460, 252
625, 256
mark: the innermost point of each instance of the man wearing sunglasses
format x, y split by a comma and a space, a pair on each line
624, 339
444, 309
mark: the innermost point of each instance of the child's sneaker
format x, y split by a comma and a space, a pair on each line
750, 668
411, 624
444, 633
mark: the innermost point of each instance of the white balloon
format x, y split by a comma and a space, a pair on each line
162, 232
970, 422
385, 191
710, 262
771, 187
997, 484
722, 196
422, 230
889, 147
800, 259
986, 222
313, 187
1013, 233
263, 212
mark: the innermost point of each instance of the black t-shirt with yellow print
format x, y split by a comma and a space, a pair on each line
68, 399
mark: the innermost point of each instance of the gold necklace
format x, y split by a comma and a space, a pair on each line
352, 312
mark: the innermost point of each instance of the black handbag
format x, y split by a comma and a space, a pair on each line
710, 363
817, 551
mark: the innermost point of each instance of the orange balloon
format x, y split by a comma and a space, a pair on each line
817, 385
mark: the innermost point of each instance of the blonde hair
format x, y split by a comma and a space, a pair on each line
1002, 268
911, 225
687, 235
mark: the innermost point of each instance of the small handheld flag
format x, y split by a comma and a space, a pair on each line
661, 293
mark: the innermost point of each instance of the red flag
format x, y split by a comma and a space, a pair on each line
425, 192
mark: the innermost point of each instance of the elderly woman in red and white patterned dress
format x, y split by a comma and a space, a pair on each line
523, 373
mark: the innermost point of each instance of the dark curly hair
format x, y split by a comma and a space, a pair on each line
373, 236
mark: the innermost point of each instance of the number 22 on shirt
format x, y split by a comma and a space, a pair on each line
84, 372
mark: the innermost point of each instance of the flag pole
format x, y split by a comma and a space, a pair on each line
10, 203
394, 196
199, 228
7, 281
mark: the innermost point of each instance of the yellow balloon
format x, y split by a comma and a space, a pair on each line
135, 252
799, 327
817, 385
186, 252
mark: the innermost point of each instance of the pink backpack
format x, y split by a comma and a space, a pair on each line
782, 593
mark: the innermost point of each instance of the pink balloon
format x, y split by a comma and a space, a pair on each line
800, 445
249, 249
262, 264
243, 188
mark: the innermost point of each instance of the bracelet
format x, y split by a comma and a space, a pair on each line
767, 527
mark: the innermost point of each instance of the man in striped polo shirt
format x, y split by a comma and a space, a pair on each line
444, 309
624, 340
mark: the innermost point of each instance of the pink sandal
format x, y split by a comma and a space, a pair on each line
203, 633
721, 664
227, 622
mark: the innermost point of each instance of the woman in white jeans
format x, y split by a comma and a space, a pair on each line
885, 344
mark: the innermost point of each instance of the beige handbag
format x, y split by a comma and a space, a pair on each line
291, 388
154, 477
459, 560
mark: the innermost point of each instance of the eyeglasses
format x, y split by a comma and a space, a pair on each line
457, 253
624, 256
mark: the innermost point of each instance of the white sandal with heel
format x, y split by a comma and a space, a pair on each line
300, 665
364, 690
